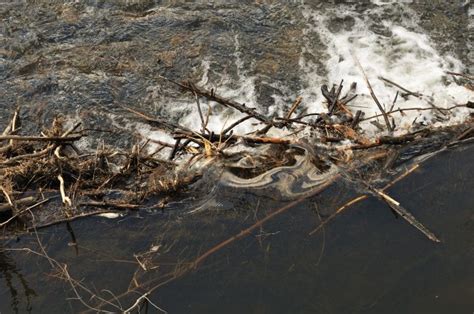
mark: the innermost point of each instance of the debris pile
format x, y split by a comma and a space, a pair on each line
48, 171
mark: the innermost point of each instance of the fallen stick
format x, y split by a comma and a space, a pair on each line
163, 123
16, 159
69, 219
165, 144
66, 200
22, 201
236, 123
461, 74
394, 101
265, 140
14, 124
268, 217
24, 210
6, 148
396, 180
401, 110
7, 196
337, 212
296, 120
345, 101
363, 197
221, 100
369, 86
203, 123
224, 138
400, 87
264, 130
259, 223
41, 138
356, 119
111, 204
175, 149
462, 136
11, 127
294, 106
392, 140
335, 98
405, 214
43, 152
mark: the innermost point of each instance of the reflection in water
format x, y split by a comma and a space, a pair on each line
286, 182
73, 238
382, 263
9, 272
284, 175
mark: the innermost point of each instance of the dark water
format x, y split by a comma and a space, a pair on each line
365, 261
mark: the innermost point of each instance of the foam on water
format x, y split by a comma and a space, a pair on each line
220, 117
399, 51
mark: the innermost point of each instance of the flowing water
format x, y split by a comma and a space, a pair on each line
86, 60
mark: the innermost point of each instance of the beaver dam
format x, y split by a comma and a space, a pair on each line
149, 150
46, 179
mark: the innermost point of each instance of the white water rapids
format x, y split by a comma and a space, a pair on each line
397, 49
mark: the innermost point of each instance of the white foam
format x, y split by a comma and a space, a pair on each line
389, 2
402, 53
405, 56
242, 91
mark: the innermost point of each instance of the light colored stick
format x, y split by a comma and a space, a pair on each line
9, 200
64, 197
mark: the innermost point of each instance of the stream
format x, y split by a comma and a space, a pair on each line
87, 60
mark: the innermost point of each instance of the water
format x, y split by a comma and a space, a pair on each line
85, 60
365, 261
